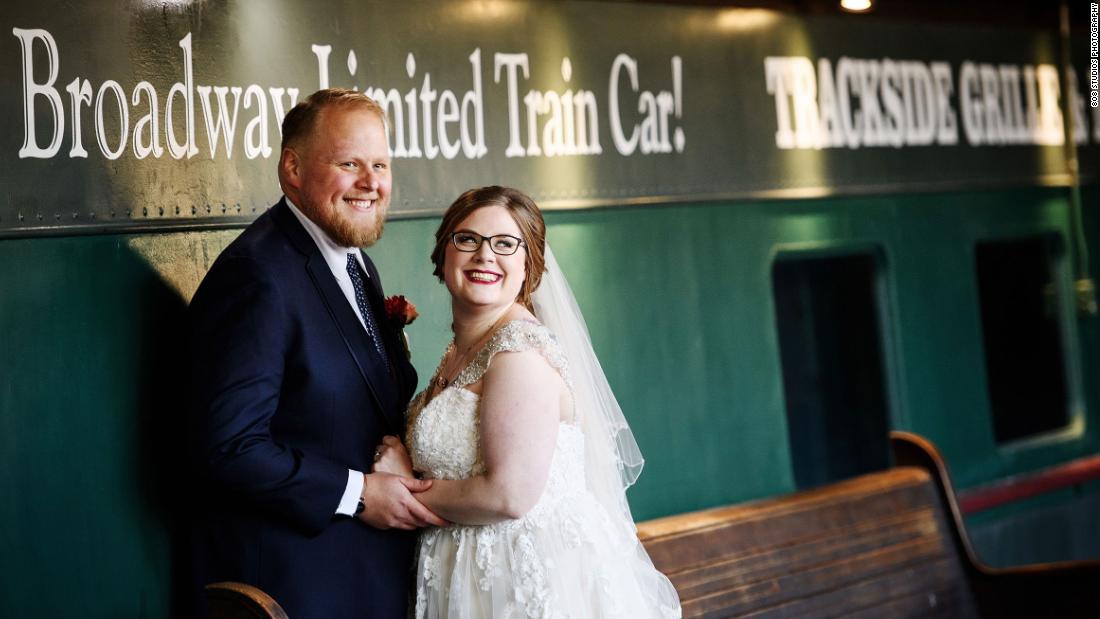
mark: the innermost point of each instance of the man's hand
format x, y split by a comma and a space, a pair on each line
392, 457
389, 503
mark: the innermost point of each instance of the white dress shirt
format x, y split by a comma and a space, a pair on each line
336, 257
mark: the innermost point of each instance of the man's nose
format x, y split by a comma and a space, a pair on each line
368, 179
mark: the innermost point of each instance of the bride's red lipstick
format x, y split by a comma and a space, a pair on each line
477, 276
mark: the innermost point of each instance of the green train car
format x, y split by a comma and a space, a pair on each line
774, 276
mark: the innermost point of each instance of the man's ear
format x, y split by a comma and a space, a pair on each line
290, 167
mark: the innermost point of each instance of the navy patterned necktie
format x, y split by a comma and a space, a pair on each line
356, 274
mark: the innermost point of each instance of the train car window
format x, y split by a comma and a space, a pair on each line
1022, 332
827, 315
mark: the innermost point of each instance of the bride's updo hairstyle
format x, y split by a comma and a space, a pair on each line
524, 212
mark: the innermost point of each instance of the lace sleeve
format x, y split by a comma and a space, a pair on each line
517, 336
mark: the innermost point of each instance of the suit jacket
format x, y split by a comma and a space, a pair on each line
288, 393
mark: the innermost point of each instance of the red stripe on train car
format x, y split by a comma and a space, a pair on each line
1019, 487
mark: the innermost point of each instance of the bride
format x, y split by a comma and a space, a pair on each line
518, 427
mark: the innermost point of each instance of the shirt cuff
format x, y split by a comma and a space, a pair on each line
352, 492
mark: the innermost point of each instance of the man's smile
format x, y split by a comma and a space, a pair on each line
363, 204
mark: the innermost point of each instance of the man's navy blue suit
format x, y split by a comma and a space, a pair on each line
288, 393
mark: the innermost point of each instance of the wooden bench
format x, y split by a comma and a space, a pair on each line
888, 544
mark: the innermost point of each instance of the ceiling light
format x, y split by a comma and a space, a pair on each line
855, 6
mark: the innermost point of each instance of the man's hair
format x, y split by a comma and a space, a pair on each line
299, 121
524, 212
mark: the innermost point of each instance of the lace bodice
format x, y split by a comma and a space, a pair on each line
444, 434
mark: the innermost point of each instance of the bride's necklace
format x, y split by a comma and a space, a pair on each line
453, 369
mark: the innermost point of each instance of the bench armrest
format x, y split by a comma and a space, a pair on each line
236, 600
1063, 589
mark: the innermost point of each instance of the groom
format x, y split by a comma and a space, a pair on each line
297, 374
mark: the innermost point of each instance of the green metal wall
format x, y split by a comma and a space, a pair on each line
678, 300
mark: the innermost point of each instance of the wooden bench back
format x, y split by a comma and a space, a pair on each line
873, 546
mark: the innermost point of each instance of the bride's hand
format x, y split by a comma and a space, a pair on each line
392, 457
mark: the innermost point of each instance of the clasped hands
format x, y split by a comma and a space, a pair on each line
389, 491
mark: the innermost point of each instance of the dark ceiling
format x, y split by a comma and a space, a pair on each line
1009, 12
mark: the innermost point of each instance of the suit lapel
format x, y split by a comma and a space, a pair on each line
356, 341
404, 373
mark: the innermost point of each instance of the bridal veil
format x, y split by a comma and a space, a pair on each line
612, 458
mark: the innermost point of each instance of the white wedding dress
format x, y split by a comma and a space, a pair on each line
569, 557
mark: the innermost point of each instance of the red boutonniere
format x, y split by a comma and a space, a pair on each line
400, 311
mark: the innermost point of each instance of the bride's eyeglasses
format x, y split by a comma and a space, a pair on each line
501, 244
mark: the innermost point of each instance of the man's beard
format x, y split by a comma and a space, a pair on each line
347, 233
